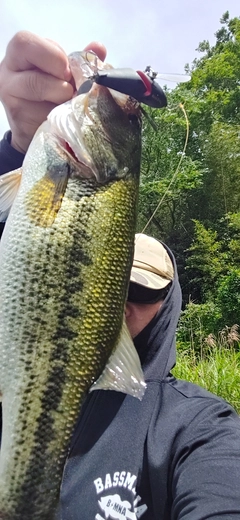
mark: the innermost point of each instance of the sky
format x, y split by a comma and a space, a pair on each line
136, 33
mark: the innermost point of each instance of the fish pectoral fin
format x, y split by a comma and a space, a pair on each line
44, 200
123, 371
9, 184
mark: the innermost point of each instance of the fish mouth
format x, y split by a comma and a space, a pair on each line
67, 130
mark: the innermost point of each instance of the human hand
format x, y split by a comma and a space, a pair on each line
34, 78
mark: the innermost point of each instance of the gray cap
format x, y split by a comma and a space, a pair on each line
152, 266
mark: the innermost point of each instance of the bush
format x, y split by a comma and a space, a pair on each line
219, 372
197, 321
228, 297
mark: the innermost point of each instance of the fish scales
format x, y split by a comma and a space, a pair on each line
65, 266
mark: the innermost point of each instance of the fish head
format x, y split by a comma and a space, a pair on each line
102, 130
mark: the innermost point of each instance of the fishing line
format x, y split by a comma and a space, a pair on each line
176, 171
149, 119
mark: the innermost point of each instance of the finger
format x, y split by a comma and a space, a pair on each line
34, 85
99, 49
27, 51
55, 43
24, 119
29, 113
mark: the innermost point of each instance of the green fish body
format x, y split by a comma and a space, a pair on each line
65, 261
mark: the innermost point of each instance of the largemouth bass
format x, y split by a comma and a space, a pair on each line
65, 260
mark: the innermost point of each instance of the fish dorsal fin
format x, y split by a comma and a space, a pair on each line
123, 371
9, 184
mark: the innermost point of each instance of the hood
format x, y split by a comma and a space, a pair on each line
156, 344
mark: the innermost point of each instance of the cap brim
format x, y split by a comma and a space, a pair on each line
148, 279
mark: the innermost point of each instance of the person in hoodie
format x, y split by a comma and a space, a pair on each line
175, 455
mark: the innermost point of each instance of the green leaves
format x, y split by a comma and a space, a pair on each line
219, 372
198, 216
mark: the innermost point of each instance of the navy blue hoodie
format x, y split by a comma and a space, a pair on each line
175, 455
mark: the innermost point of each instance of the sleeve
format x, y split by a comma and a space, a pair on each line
206, 466
10, 159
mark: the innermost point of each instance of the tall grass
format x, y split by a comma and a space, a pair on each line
216, 368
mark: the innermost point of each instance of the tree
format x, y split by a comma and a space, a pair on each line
206, 188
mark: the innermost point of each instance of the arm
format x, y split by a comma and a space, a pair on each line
206, 466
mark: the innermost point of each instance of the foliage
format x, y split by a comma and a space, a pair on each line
214, 75
219, 373
160, 159
216, 366
198, 214
197, 321
233, 234
199, 209
228, 297
215, 280
207, 261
